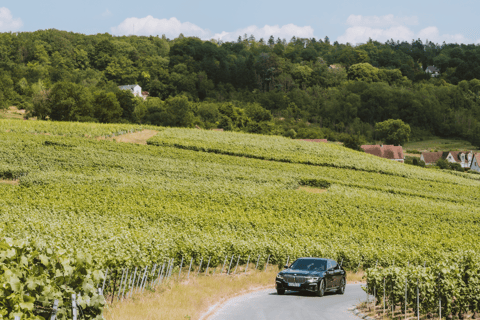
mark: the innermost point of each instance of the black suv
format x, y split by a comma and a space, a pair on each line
312, 274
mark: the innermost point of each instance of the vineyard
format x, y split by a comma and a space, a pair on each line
83, 205
451, 288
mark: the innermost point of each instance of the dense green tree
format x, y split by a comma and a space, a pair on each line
70, 102
393, 131
107, 108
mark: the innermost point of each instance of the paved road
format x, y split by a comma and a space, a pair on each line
267, 305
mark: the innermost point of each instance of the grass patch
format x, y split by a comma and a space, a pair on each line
355, 277
190, 299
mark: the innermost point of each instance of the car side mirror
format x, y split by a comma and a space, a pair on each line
285, 266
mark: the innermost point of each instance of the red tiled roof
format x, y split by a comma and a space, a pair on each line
313, 140
385, 151
433, 157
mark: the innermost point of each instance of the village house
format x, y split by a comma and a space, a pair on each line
433, 71
385, 151
476, 163
461, 157
136, 90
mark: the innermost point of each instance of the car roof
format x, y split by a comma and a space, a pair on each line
315, 258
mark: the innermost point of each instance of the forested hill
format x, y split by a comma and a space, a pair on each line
302, 88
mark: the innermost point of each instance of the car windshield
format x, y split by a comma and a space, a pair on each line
310, 264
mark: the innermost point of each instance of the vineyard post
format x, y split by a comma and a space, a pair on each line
224, 262
145, 278
17, 317
153, 274
74, 307
54, 310
180, 269
127, 287
121, 283
189, 268
406, 285
266, 266
156, 280
136, 284
248, 260
166, 269
418, 300
384, 295
258, 259
374, 289
230, 265
238, 260
200, 267
288, 259
366, 284
160, 274
132, 284
439, 299
208, 265
358, 267
114, 285
104, 279
124, 285
140, 280
171, 267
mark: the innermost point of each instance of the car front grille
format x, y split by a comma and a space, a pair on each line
295, 279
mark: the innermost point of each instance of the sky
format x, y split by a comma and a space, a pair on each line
344, 21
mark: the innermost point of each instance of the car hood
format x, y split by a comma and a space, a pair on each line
296, 272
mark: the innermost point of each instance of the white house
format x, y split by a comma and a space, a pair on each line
463, 158
134, 88
476, 163
433, 71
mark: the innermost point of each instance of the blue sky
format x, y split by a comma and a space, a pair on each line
341, 20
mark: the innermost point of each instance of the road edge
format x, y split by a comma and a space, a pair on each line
217, 306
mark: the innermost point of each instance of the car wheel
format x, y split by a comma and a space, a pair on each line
321, 288
341, 289
280, 291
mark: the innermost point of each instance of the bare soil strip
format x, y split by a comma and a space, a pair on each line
139, 137
311, 189
10, 182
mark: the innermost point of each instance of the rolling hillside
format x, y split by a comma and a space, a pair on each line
195, 193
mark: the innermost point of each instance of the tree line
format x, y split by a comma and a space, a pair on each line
303, 88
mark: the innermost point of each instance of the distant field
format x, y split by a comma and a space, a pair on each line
13, 113
439, 144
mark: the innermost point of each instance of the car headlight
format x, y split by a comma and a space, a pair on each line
279, 276
313, 279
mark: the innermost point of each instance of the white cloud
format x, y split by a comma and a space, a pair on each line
388, 20
433, 34
173, 27
152, 26
284, 32
383, 28
360, 34
7, 22
107, 13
